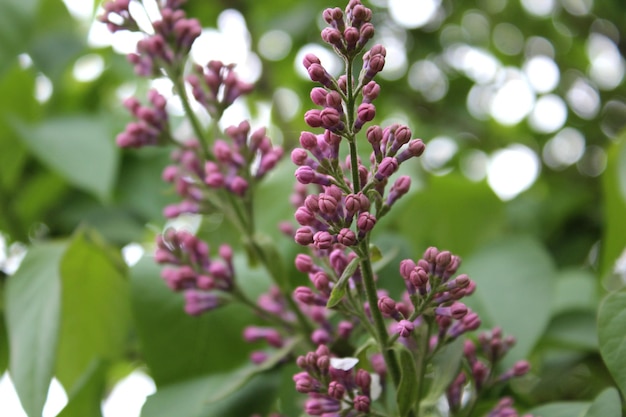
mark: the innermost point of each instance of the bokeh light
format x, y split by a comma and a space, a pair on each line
512, 170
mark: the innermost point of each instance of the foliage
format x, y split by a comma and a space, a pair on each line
548, 263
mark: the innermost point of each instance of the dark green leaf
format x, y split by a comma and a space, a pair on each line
80, 148
96, 307
611, 319
339, 290
574, 329
33, 306
576, 289
85, 398
515, 283
406, 396
606, 404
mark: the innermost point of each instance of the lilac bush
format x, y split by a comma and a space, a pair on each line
361, 350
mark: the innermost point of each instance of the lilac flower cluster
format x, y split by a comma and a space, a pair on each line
151, 126
333, 387
216, 86
166, 49
204, 281
482, 358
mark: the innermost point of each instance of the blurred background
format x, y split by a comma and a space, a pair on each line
521, 104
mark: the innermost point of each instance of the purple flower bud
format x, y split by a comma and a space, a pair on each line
304, 236
304, 217
351, 35
344, 328
331, 119
317, 73
327, 204
299, 156
321, 406
271, 335
366, 33
305, 175
363, 379
198, 302
386, 168
346, 237
406, 266
310, 59
318, 96
404, 328
313, 118
320, 336
304, 263
305, 383
399, 188
238, 186
365, 113
362, 404
323, 240
332, 37
366, 222
456, 311
336, 390
305, 295
387, 306
370, 91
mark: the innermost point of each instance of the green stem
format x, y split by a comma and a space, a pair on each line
379, 324
179, 85
422, 359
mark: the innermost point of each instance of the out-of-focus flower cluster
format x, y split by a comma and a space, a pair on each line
166, 49
204, 281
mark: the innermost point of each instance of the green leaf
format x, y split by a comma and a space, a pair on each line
4, 345
452, 213
79, 148
33, 308
339, 290
96, 313
576, 289
574, 330
189, 398
606, 404
16, 23
176, 346
614, 238
85, 398
611, 319
515, 285
406, 396
445, 368
561, 409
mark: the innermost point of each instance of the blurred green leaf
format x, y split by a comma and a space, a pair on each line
85, 398
95, 315
33, 306
445, 366
16, 23
452, 213
606, 404
80, 148
561, 409
4, 344
574, 330
611, 319
515, 286
188, 398
176, 346
406, 396
614, 230
575, 290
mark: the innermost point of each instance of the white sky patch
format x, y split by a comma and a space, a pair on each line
578, 7
542, 73
11, 257
438, 152
540, 8
427, 78
583, 99
80, 9
549, 114
479, 101
564, 149
395, 60
128, 396
132, 253
88, 67
513, 101
329, 60
512, 170
43, 88
413, 14
607, 64
11, 406
275, 45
